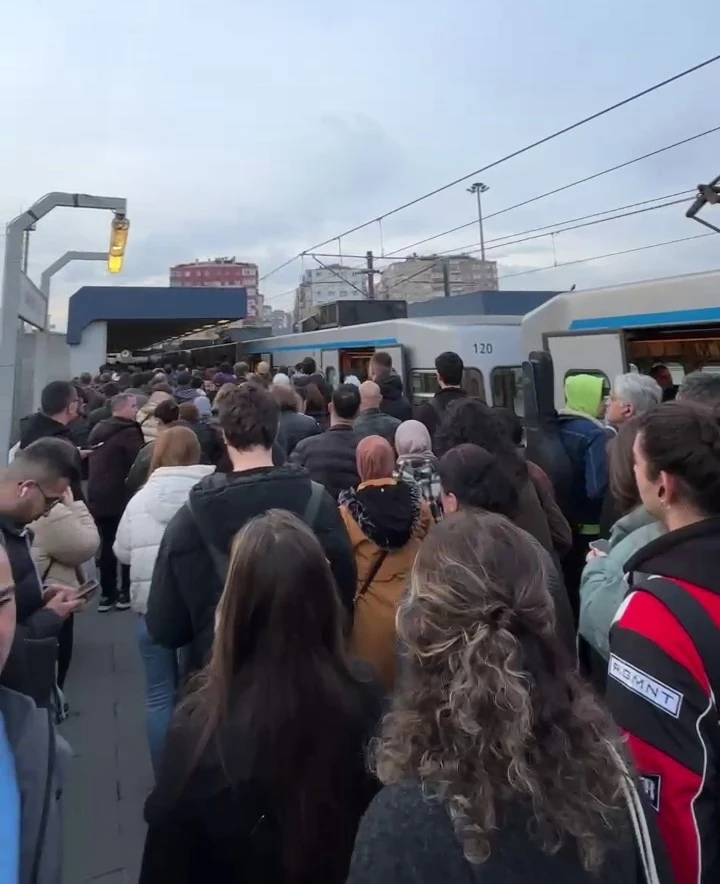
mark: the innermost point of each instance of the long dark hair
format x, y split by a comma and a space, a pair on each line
491, 714
277, 704
470, 420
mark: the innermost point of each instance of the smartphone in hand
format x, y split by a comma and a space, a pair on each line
601, 546
88, 589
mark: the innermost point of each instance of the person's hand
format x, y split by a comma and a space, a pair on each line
84, 452
68, 497
65, 603
594, 554
54, 589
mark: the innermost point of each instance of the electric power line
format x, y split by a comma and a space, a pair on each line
655, 245
522, 238
516, 153
547, 193
528, 147
550, 229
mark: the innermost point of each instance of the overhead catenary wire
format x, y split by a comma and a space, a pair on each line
548, 231
655, 245
528, 147
597, 115
559, 226
556, 190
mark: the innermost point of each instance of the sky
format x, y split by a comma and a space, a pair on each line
258, 129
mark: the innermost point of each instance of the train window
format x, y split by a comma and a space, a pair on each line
330, 376
606, 387
507, 388
473, 383
423, 384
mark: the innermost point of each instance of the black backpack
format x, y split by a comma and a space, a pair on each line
221, 560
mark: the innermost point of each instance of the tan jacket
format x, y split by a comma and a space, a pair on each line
64, 539
374, 637
146, 416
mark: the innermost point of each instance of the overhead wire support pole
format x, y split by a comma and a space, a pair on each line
370, 276
479, 189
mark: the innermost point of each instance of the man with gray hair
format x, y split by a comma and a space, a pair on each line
632, 394
701, 386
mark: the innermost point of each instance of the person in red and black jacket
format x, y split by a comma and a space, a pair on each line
664, 667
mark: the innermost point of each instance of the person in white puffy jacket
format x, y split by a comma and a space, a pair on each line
174, 470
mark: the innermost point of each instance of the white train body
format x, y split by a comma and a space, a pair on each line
609, 330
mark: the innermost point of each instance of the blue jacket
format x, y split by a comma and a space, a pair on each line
603, 585
585, 442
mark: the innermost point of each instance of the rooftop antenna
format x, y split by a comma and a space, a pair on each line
707, 194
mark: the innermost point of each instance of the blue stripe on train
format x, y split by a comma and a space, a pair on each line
332, 345
666, 317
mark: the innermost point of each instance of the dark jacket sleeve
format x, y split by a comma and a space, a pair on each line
168, 617
427, 415
44, 623
299, 454
560, 530
332, 534
138, 474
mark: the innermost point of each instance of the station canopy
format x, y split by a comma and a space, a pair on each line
139, 317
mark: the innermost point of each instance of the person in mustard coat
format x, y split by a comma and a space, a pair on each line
387, 520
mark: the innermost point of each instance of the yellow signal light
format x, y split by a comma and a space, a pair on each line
119, 230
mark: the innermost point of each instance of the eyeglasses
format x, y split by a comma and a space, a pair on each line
50, 502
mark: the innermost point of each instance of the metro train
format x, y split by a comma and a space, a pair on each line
607, 331
491, 350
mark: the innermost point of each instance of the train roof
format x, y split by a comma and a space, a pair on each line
485, 304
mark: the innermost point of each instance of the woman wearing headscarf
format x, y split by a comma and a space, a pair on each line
416, 462
386, 519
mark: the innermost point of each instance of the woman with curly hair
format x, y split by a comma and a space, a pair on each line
498, 763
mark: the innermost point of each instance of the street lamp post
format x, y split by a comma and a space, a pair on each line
478, 189
42, 339
21, 298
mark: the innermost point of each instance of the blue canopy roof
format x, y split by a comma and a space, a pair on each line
139, 316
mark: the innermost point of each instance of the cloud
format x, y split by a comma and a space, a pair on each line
263, 128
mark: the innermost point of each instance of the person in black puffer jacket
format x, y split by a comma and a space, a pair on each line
330, 458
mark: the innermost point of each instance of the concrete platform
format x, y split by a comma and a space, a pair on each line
110, 775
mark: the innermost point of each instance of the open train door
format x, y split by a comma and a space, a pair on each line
543, 443
577, 352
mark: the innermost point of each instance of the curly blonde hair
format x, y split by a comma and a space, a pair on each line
491, 713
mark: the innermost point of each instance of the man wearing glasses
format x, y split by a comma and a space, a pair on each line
29, 488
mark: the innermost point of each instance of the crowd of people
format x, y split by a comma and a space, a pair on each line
381, 643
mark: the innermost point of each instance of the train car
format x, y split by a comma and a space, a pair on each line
607, 331
491, 351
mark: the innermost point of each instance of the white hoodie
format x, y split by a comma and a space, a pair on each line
144, 521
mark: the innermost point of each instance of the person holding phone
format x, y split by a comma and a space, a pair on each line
603, 586
63, 540
31, 487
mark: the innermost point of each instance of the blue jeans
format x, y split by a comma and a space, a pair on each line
161, 678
